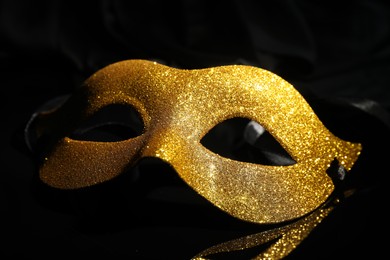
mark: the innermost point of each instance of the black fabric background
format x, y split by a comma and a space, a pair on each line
332, 51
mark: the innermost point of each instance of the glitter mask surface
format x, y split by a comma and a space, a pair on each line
178, 108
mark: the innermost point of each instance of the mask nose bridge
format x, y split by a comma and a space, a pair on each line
166, 134
162, 142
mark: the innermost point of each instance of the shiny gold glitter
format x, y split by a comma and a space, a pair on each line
178, 107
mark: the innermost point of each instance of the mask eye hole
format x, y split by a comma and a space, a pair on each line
112, 123
244, 140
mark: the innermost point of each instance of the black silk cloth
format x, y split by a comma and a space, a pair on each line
336, 53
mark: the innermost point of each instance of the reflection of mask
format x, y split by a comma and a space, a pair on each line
178, 108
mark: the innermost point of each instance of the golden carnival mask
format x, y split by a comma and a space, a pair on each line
178, 108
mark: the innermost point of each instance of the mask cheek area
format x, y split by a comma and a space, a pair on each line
77, 164
253, 192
